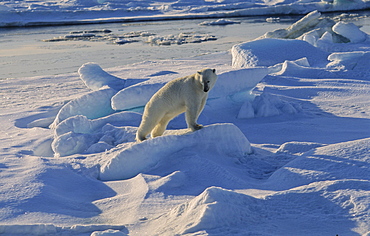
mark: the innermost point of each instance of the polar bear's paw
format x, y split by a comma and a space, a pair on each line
196, 127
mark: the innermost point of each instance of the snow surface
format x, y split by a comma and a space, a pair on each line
285, 149
213, 140
350, 31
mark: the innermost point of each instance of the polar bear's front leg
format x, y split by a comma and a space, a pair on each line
192, 113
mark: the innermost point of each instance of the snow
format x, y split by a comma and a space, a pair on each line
213, 140
266, 105
358, 60
96, 78
93, 105
269, 52
78, 134
284, 149
350, 31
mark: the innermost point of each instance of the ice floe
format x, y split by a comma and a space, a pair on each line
219, 22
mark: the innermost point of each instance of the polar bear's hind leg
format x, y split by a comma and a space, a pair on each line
162, 124
160, 127
146, 126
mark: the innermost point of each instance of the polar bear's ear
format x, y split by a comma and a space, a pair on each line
214, 71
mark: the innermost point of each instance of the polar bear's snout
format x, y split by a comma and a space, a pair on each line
207, 78
206, 87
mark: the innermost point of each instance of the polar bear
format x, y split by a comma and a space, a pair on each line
187, 94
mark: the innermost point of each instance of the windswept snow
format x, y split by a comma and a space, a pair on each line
92, 105
350, 31
212, 140
284, 149
356, 61
96, 78
78, 134
269, 52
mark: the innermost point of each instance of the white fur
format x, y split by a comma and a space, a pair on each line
187, 94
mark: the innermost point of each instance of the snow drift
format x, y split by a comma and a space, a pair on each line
223, 139
269, 52
318, 185
92, 105
78, 134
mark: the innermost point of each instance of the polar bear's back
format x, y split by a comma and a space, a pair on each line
175, 92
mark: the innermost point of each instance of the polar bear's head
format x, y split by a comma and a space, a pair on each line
207, 78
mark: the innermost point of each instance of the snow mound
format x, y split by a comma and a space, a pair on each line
266, 105
228, 83
307, 24
325, 182
95, 77
226, 139
136, 96
173, 180
214, 208
237, 83
349, 160
81, 135
92, 105
72, 143
297, 147
83, 125
357, 61
321, 32
269, 52
217, 210
296, 68
350, 31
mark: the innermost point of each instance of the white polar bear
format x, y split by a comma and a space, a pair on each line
187, 94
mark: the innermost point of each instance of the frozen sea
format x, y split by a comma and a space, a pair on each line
24, 53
